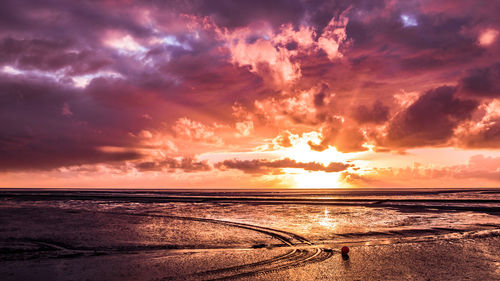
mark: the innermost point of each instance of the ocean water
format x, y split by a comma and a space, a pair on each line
200, 232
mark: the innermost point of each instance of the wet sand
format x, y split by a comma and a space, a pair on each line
469, 260
55, 238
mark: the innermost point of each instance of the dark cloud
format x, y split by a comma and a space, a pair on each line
204, 76
482, 82
36, 132
262, 166
83, 22
435, 41
172, 164
430, 120
50, 55
31, 153
315, 13
236, 14
378, 113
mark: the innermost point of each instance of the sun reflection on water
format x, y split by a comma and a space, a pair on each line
327, 221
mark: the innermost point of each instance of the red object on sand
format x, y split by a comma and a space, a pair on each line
345, 250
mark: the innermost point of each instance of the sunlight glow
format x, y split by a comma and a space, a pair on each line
301, 151
311, 180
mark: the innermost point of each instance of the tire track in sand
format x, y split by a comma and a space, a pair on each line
302, 252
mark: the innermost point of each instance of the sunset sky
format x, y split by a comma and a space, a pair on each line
249, 94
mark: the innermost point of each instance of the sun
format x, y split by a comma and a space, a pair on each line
300, 151
312, 180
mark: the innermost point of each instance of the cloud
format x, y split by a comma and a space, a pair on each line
278, 53
283, 140
244, 128
481, 162
262, 166
488, 37
195, 131
230, 14
479, 168
430, 120
34, 135
261, 55
333, 35
50, 55
66, 111
482, 82
344, 137
483, 135
378, 113
125, 82
171, 165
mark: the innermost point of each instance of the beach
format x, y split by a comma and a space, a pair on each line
250, 235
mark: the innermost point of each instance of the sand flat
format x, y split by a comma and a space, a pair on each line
63, 237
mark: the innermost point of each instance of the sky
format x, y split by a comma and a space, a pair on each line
249, 94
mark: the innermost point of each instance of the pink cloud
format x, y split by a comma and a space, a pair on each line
488, 37
479, 171
195, 131
333, 35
